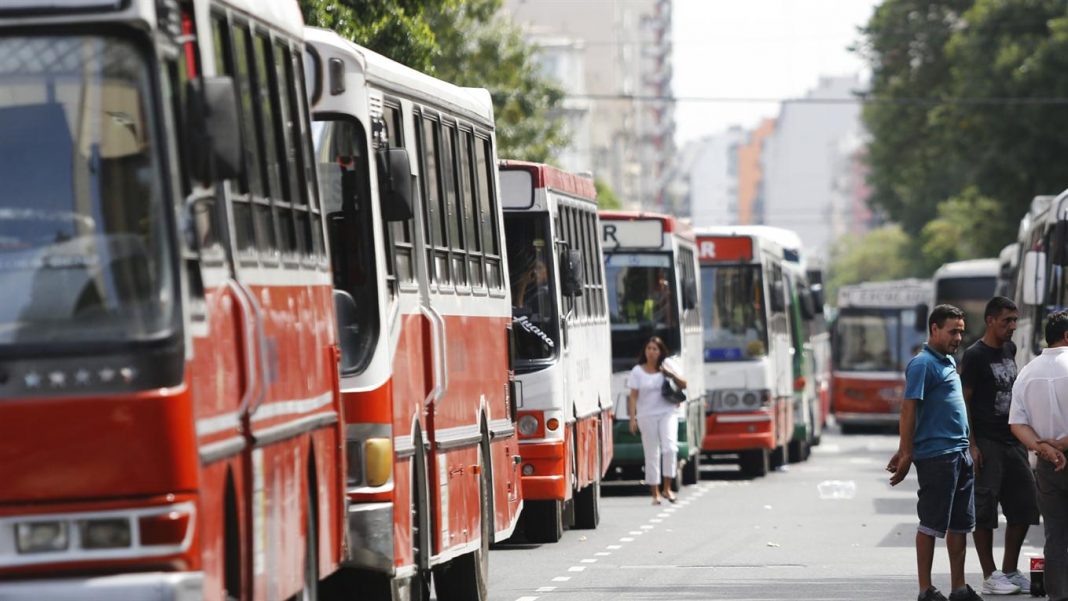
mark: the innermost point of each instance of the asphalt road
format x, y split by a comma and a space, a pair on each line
829, 528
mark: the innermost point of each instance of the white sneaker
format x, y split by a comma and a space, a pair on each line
999, 584
1019, 580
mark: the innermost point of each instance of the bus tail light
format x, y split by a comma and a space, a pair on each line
552, 424
378, 459
165, 528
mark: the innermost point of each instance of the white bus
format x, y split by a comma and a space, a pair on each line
560, 321
968, 285
410, 194
651, 276
1041, 279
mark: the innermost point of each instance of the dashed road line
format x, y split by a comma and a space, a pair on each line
561, 579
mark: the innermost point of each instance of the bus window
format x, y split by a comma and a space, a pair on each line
734, 312
641, 298
868, 340
530, 263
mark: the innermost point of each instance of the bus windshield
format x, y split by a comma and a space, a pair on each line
642, 301
533, 300
83, 251
733, 312
969, 295
875, 339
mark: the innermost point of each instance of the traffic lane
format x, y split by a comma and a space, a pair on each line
830, 528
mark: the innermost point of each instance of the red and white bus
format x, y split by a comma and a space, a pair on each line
168, 348
560, 319
410, 195
880, 326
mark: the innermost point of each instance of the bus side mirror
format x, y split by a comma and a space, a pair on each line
1033, 277
1058, 251
571, 273
395, 184
689, 295
214, 131
921, 318
818, 299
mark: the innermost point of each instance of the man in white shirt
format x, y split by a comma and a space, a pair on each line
1039, 418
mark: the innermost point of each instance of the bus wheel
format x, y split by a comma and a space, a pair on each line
587, 501
691, 472
466, 578
780, 456
755, 463
798, 451
543, 521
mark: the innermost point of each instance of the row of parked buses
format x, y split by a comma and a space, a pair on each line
278, 324
880, 326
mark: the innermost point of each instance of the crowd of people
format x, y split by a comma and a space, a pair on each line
968, 431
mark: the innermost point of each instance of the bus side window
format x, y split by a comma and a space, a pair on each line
432, 200
398, 233
452, 212
489, 218
472, 242
313, 227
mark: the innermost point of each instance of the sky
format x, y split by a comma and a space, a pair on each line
757, 49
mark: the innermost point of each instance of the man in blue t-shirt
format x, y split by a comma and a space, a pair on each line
935, 437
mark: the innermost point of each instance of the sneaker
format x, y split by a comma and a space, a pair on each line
1019, 580
999, 584
968, 594
932, 594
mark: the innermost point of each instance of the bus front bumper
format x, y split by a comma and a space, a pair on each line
153, 586
867, 419
548, 461
730, 432
370, 536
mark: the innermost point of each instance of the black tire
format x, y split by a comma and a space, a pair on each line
587, 501
755, 463
780, 457
691, 472
466, 578
798, 451
543, 521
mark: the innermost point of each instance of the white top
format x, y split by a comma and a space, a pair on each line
651, 401
1040, 394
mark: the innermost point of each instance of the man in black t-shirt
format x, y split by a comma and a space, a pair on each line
1002, 471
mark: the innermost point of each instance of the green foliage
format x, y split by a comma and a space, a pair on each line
951, 161
606, 197
467, 43
881, 254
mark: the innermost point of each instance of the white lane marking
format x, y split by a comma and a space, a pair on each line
646, 527
614, 547
561, 579
626, 539
837, 489
577, 569
527, 599
670, 510
655, 521
588, 561
545, 589
635, 532
602, 554
663, 514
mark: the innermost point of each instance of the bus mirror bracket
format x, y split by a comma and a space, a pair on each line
920, 325
214, 130
1033, 278
571, 273
395, 184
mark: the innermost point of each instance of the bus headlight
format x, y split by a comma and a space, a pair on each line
41, 537
378, 460
528, 425
105, 534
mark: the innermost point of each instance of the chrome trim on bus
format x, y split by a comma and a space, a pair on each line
461, 436
403, 447
370, 527
218, 423
151, 586
215, 451
501, 428
741, 419
455, 552
294, 428
292, 407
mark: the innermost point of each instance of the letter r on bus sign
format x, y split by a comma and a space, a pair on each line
708, 249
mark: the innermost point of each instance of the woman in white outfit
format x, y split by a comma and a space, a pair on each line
656, 417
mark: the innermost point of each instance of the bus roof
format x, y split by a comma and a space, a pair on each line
393, 76
557, 180
971, 268
895, 293
784, 243
672, 225
283, 15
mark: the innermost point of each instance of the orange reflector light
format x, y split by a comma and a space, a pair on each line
164, 529
552, 423
799, 383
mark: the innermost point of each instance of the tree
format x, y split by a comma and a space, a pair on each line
606, 197
960, 128
881, 254
467, 43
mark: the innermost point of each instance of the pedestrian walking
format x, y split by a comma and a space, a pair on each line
655, 417
1002, 470
1039, 419
934, 437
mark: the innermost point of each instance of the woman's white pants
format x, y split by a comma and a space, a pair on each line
660, 445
